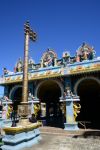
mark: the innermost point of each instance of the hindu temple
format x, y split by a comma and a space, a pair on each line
64, 92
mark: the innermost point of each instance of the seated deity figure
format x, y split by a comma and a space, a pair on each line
48, 61
67, 92
49, 58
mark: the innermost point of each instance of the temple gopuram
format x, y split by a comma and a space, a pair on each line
63, 92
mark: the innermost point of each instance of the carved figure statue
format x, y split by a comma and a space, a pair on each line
4, 112
31, 63
68, 92
48, 60
5, 71
78, 56
10, 109
19, 65
92, 54
76, 107
66, 58
36, 109
85, 55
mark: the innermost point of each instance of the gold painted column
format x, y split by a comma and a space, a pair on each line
25, 67
23, 110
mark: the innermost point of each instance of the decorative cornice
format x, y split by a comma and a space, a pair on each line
51, 72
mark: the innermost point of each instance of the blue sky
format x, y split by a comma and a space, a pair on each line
60, 24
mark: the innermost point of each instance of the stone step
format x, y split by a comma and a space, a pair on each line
54, 130
59, 131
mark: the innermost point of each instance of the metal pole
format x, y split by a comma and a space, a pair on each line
23, 110
25, 67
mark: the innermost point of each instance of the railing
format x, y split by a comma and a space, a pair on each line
84, 123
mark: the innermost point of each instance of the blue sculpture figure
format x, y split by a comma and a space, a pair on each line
66, 58
19, 65
5, 71
31, 63
92, 55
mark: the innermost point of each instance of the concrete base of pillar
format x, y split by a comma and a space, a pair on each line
71, 126
22, 140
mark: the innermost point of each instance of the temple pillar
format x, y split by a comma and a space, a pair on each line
70, 123
68, 99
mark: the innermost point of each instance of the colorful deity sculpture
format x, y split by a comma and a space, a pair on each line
6, 107
31, 63
5, 71
85, 52
76, 108
36, 109
9, 111
66, 58
48, 59
77, 57
92, 54
19, 65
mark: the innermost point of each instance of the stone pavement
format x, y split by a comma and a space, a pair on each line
51, 141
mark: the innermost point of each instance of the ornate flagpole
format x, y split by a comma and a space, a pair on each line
29, 34
23, 135
25, 67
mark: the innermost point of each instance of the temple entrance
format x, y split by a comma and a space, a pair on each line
49, 93
16, 96
89, 92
